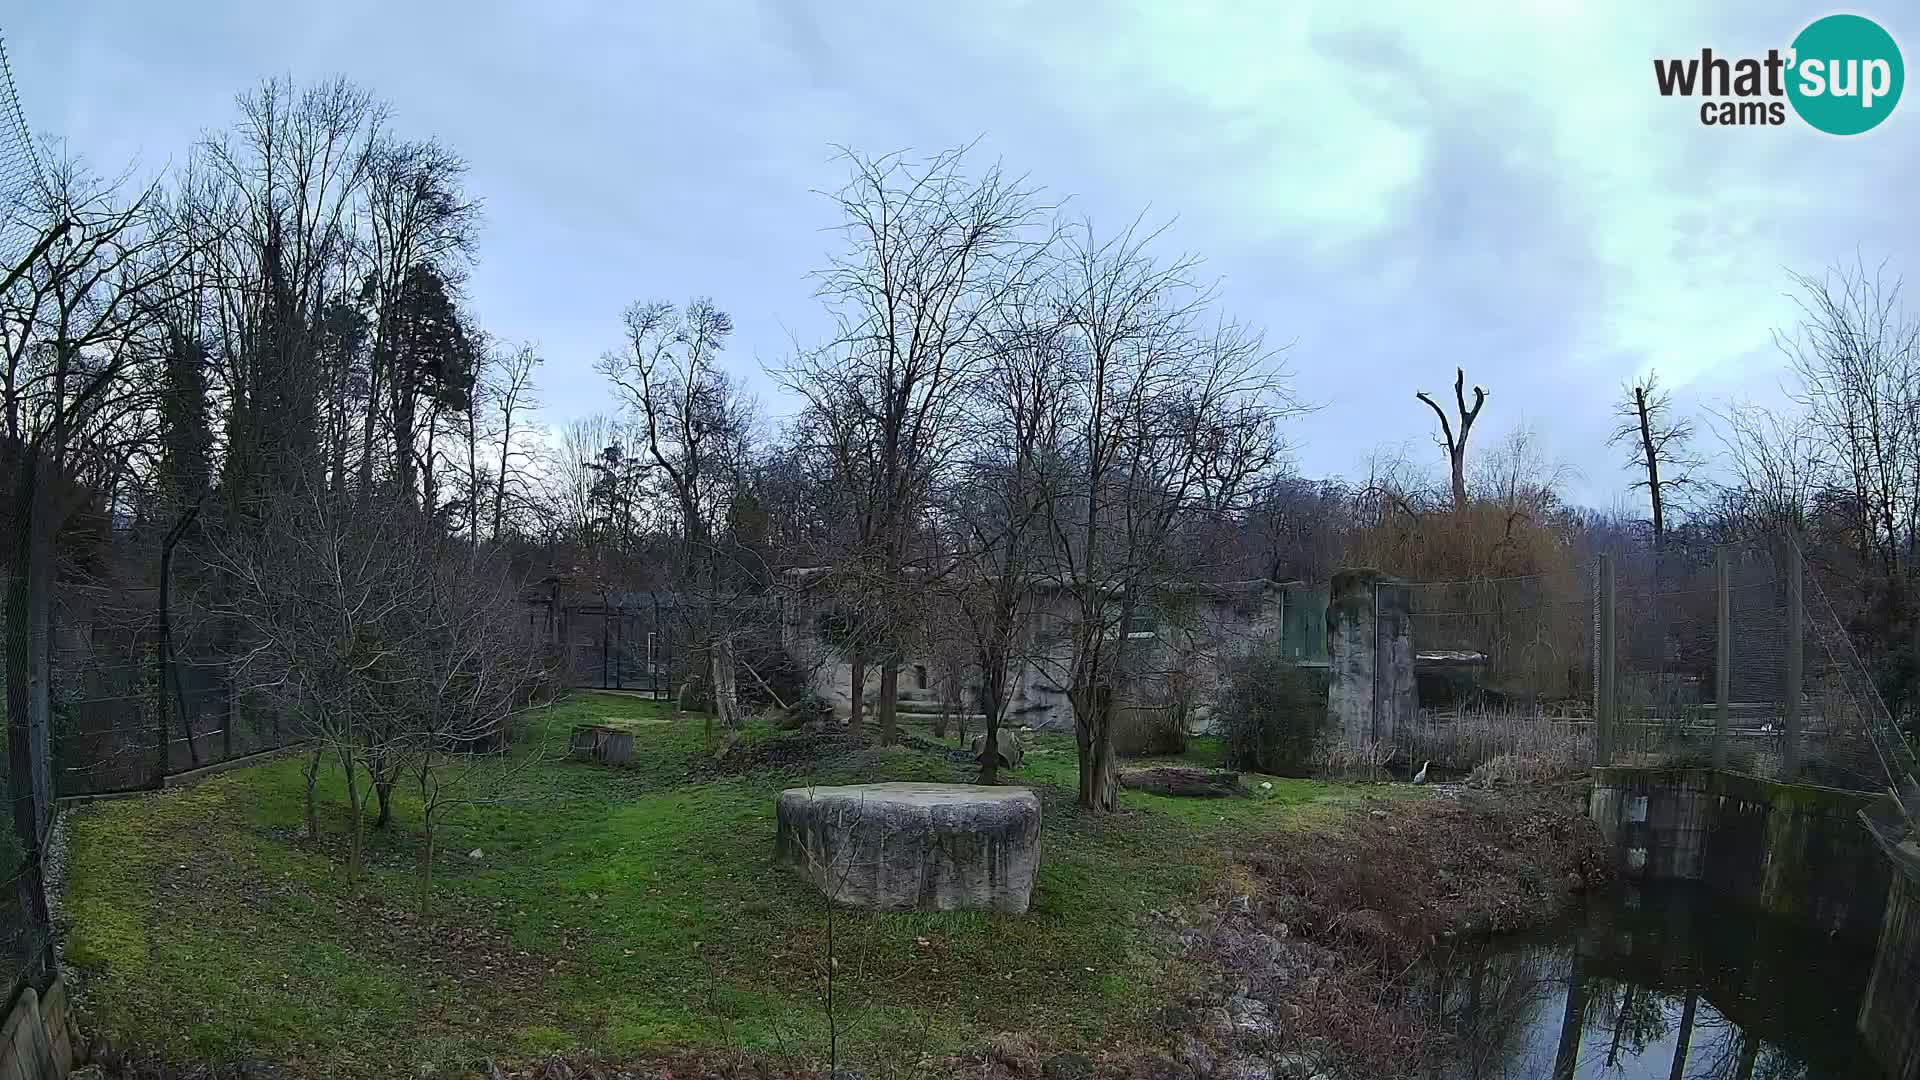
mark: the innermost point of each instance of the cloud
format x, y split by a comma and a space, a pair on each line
1395, 189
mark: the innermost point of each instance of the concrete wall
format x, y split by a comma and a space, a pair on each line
36, 1042
1789, 849
1195, 631
1890, 1012
1371, 691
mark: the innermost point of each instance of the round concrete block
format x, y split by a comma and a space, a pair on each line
930, 847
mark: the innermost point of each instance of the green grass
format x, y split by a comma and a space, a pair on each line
627, 910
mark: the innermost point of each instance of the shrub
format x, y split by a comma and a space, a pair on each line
807, 707
1523, 769
1272, 713
1149, 731
781, 678
1366, 763
1465, 739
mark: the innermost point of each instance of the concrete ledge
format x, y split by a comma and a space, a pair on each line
188, 778
1737, 785
36, 1041
1795, 850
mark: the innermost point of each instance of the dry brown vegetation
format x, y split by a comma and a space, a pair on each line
1314, 943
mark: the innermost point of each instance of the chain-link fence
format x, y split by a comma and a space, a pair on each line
104, 715
1725, 656
1512, 641
24, 934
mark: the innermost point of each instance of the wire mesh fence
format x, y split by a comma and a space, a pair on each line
1516, 642
23, 938
105, 716
1728, 657
20, 175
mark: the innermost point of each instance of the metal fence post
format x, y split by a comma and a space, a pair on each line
1607, 696
1723, 656
1796, 659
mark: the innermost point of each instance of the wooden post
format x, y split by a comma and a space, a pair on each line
1796, 660
1723, 656
1607, 695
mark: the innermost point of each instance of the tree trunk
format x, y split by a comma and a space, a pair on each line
383, 795
857, 693
170, 691
426, 867
372, 424
941, 718
356, 823
889, 692
23, 647
993, 679
1093, 736
312, 774
725, 679
1457, 460
1652, 458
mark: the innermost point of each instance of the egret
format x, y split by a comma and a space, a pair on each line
1421, 776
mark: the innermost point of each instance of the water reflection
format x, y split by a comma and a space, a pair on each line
1663, 983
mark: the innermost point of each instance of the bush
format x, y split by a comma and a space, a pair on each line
1525, 769
1272, 713
1149, 731
1468, 738
784, 680
808, 707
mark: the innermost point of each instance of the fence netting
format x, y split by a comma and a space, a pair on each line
1705, 648
22, 941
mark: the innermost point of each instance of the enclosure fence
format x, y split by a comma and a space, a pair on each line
115, 719
1724, 656
25, 931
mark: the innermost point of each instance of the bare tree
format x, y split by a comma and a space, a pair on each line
1660, 446
510, 392
1171, 417
930, 251
998, 500
696, 425
1776, 466
1456, 445
77, 388
290, 180
1856, 359
390, 645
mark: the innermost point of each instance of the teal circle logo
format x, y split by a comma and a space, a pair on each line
1846, 74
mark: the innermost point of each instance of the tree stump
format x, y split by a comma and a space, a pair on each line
926, 847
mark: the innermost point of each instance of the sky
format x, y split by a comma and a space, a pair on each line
1388, 192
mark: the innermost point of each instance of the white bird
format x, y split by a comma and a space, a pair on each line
1421, 776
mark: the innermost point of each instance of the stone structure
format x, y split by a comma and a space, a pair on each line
1371, 691
1890, 1011
37, 1039
931, 847
1176, 647
1789, 849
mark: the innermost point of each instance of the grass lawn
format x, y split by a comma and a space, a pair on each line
627, 911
